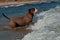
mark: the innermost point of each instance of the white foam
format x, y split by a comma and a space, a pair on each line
11, 5
47, 28
6, 6
20, 5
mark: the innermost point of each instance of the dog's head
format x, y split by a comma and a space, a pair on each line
33, 10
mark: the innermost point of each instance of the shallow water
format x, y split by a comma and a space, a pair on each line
17, 11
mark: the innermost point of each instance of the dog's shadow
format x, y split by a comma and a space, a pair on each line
18, 29
21, 30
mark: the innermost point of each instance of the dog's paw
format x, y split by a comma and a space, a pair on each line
32, 23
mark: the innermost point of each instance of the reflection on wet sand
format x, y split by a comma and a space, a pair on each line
21, 30
16, 30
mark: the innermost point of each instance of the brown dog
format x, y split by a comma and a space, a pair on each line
22, 21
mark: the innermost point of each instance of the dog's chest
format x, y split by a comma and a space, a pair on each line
28, 19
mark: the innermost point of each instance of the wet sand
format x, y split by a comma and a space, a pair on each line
17, 3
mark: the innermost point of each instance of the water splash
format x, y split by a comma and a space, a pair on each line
47, 28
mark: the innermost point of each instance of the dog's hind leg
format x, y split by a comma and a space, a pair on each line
12, 24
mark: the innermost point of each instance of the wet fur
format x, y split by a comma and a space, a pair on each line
22, 21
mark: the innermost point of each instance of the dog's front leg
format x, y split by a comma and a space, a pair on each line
31, 23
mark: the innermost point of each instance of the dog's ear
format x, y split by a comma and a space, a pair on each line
31, 10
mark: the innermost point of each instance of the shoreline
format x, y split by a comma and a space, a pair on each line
17, 3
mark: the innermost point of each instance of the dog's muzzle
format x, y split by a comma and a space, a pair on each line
36, 10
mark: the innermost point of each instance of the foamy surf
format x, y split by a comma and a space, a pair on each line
6, 6
20, 5
47, 28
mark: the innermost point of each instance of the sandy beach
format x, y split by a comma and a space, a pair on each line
14, 3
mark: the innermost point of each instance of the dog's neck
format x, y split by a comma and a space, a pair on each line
31, 14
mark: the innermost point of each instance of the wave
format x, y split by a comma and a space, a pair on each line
47, 28
11, 5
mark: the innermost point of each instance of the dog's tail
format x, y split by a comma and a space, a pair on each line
5, 16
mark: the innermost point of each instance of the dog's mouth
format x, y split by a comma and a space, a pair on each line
36, 10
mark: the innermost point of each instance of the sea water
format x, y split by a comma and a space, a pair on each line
46, 25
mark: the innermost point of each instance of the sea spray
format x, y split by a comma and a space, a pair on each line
48, 28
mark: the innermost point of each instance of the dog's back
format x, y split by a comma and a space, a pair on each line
23, 20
